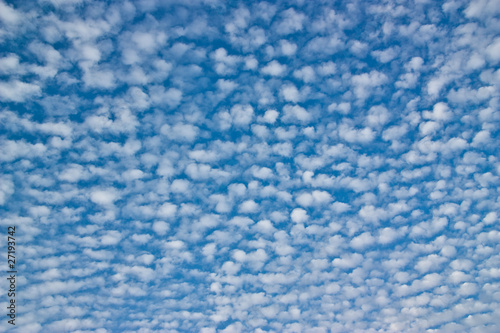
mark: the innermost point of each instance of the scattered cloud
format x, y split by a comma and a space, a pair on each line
252, 167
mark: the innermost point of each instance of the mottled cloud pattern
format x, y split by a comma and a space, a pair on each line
290, 166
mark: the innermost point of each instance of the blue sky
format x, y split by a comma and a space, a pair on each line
292, 166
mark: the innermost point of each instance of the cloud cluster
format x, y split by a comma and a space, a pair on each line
252, 167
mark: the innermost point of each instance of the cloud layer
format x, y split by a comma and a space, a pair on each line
252, 167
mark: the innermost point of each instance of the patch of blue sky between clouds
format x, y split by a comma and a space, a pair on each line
290, 166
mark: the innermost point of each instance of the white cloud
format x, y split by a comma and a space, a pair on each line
366, 82
440, 112
363, 135
482, 8
17, 91
299, 215
180, 132
274, 68
343, 108
348, 261
112, 237
10, 64
314, 198
387, 235
167, 210
290, 93
288, 48
6, 189
248, 206
242, 115
294, 113
104, 197
493, 51
291, 22
377, 116
362, 241
102, 79
171, 97
160, 227
269, 117
385, 56
8, 14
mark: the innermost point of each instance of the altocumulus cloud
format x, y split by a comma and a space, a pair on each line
284, 166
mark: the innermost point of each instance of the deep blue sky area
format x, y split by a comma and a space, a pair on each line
244, 166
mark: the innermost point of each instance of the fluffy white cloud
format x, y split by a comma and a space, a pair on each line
242, 114
299, 215
18, 91
103, 197
274, 68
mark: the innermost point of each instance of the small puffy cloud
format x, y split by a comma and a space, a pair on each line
362, 241
491, 218
307, 73
348, 261
287, 48
17, 91
358, 48
142, 238
242, 115
170, 97
104, 197
270, 117
180, 132
372, 214
161, 227
388, 235
230, 268
468, 289
482, 8
262, 173
10, 64
99, 78
290, 93
363, 135
291, 21
314, 198
248, 206
296, 113
429, 127
167, 210
73, 173
299, 215
133, 174
377, 116
225, 64
137, 98
440, 112
264, 226
147, 41
493, 51
342, 108
226, 86
364, 84
340, 207
112, 237
179, 186
251, 63
429, 263
6, 189
8, 14
385, 56
274, 68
